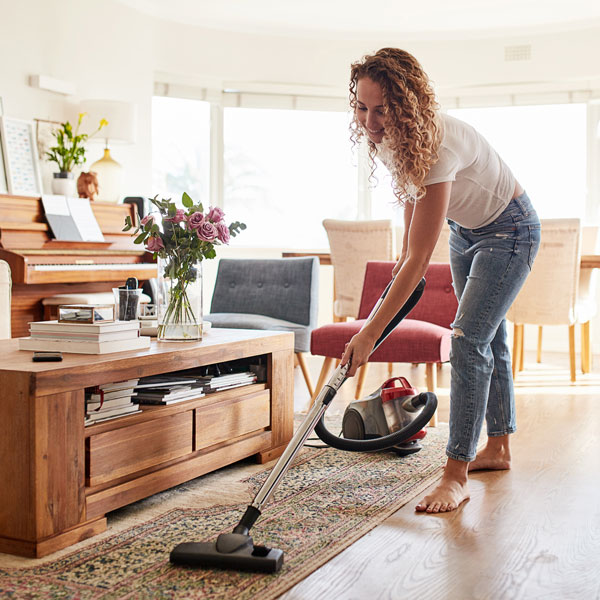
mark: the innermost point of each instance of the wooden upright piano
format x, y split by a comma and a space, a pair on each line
42, 266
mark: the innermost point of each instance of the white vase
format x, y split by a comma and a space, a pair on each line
64, 184
179, 301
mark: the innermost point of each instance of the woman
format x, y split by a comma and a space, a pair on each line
443, 169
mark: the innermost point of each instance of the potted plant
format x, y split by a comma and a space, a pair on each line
68, 153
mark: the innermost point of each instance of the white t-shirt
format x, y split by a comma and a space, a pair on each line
482, 184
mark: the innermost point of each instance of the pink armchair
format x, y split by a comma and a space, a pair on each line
422, 337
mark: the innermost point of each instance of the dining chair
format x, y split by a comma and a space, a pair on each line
352, 244
5, 300
586, 301
550, 293
278, 294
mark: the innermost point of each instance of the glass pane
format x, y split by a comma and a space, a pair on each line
286, 171
181, 148
545, 147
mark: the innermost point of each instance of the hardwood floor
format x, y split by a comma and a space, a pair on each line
531, 532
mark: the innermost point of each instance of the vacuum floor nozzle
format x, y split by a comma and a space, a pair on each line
246, 557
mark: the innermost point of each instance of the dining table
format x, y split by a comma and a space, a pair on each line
587, 261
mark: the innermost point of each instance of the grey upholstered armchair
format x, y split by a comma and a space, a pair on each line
279, 294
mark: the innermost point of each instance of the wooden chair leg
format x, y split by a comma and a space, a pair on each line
586, 348
304, 369
362, 373
431, 381
327, 363
539, 345
522, 353
517, 348
572, 366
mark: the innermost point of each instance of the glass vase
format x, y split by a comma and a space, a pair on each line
179, 300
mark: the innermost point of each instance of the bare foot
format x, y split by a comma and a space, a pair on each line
495, 456
447, 496
450, 493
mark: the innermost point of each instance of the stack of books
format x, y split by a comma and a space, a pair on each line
110, 401
84, 338
169, 389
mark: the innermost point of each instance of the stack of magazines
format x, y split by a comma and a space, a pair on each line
186, 385
110, 401
169, 389
84, 338
231, 380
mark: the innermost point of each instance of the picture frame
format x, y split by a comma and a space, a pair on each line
21, 161
44, 137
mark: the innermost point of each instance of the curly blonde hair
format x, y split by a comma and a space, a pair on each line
411, 119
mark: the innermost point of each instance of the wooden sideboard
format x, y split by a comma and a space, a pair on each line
60, 478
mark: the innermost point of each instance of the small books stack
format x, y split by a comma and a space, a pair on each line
84, 338
168, 389
110, 401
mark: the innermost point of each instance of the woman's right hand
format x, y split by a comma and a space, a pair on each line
357, 352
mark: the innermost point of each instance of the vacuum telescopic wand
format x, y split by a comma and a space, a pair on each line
236, 550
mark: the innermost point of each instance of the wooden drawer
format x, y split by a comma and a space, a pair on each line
118, 453
232, 418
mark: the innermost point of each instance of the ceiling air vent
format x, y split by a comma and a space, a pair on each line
521, 52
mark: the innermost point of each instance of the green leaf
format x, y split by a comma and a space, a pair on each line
140, 238
186, 200
236, 227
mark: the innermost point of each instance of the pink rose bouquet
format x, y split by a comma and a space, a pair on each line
182, 237
188, 234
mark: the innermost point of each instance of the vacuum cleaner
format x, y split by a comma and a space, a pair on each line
365, 421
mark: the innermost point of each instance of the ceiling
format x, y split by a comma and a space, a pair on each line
368, 18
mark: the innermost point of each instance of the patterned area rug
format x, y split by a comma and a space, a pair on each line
327, 501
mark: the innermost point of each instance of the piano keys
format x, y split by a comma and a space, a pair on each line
42, 266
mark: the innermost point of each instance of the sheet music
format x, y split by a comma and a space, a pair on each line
71, 219
59, 218
85, 220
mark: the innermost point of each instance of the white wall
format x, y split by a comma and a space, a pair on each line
101, 47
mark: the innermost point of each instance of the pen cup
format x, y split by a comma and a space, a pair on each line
127, 303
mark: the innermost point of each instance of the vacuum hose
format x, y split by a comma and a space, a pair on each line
426, 400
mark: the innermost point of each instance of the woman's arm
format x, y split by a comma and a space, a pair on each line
425, 224
408, 211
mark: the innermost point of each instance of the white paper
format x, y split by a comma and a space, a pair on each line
59, 218
55, 205
85, 220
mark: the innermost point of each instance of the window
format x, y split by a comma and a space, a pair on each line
181, 148
545, 147
286, 171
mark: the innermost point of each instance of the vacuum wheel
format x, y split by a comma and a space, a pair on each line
353, 427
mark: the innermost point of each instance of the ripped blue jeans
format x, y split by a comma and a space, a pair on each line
489, 266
